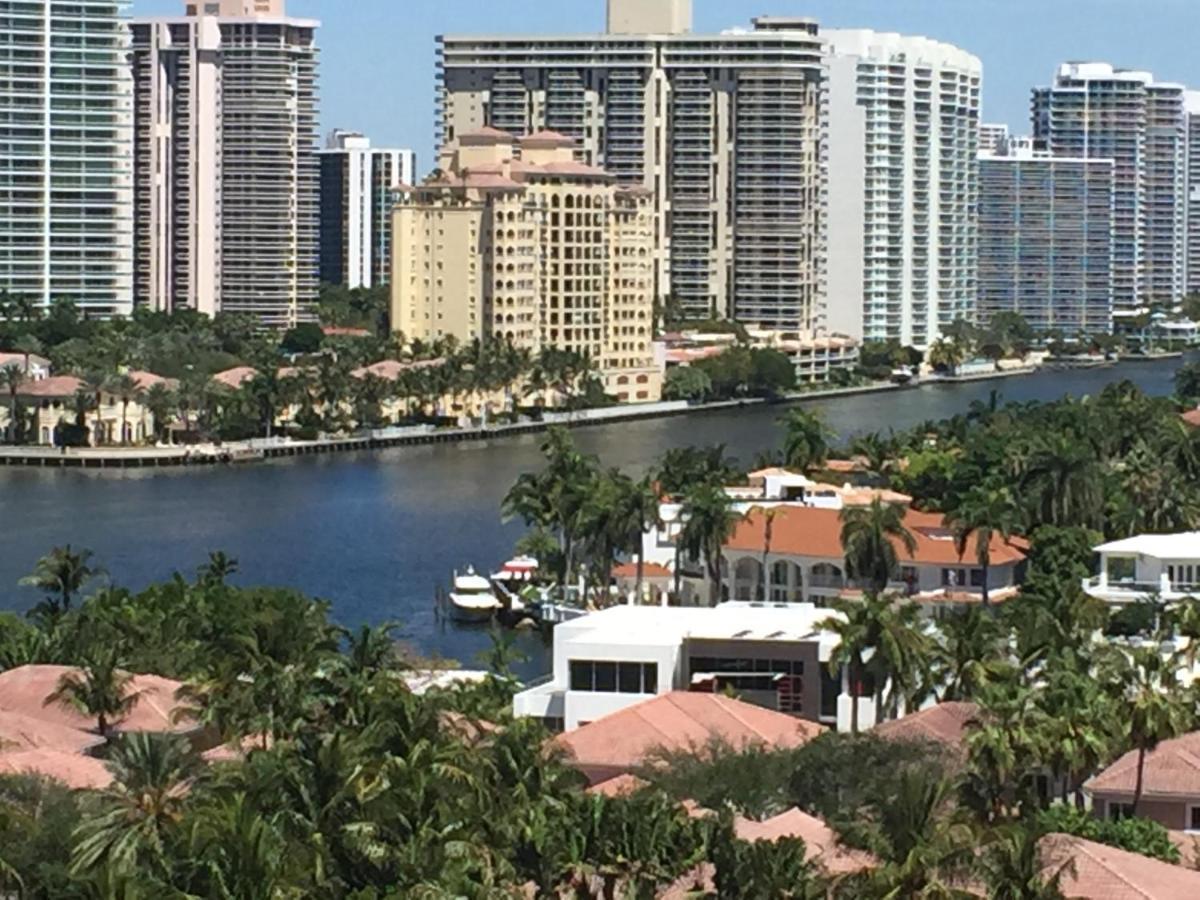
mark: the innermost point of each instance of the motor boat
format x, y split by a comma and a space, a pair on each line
511, 582
472, 600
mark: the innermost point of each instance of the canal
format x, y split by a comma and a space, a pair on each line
376, 533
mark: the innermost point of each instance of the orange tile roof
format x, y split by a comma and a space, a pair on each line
235, 377
1172, 770
1192, 417
344, 331
821, 845
1098, 872
75, 771
680, 720
620, 786
485, 135
146, 380
27, 689
945, 723
547, 138
390, 369
805, 531
54, 387
649, 570
21, 732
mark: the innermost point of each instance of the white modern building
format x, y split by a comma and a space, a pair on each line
359, 185
1162, 566
722, 129
1095, 111
66, 160
225, 161
902, 127
1191, 101
775, 656
1046, 241
993, 138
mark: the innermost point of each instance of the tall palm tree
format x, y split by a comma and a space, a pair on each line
806, 439
709, 520
11, 379
28, 346
99, 689
982, 515
869, 538
62, 574
160, 402
969, 654
1012, 868
1063, 481
126, 835
127, 390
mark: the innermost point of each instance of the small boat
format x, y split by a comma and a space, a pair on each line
473, 600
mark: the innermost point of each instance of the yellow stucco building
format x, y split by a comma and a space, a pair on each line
518, 240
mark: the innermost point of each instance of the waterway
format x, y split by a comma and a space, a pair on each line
376, 533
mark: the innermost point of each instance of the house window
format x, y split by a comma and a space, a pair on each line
1119, 810
605, 677
954, 577
977, 578
1194, 817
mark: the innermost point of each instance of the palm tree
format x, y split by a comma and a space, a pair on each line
769, 515
11, 379
62, 574
127, 389
806, 439
99, 689
637, 512
869, 538
217, 570
857, 630
239, 848
160, 401
1012, 867
1063, 481
969, 655
709, 520
983, 514
371, 650
126, 835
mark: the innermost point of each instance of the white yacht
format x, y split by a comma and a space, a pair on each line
472, 599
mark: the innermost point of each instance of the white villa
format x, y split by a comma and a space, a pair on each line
772, 655
1166, 566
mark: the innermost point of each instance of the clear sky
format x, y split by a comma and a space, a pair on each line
377, 63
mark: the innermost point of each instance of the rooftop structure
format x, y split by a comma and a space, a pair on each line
1136, 568
821, 845
622, 741
358, 187
1098, 871
1046, 241
19, 731
721, 130
1171, 786
770, 655
224, 154
80, 773
942, 723
34, 367
902, 134
66, 163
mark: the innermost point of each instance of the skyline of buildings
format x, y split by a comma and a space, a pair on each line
358, 187
800, 179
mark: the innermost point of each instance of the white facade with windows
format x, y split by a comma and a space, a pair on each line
66, 161
902, 136
1191, 275
1162, 566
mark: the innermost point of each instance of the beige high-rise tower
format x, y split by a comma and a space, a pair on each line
521, 242
225, 162
722, 130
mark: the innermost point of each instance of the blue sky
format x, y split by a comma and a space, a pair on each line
377, 70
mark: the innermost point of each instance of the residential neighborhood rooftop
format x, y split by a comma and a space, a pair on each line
1172, 769
1161, 546
1092, 871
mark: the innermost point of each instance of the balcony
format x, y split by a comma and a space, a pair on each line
1130, 591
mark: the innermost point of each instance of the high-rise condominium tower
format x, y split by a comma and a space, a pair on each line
358, 187
535, 248
1095, 111
225, 159
66, 160
993, 138
902, 124
723, 130
1192, 230
1045, 241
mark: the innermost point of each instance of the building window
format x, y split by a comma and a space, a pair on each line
954, 577
977, 578
1194, 817
1119, 810
605, 677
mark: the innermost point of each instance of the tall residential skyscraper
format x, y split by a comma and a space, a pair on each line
1192, 230
1046, 241
993, 138
225, 160
534, 248
739, 232
902, 124
358, 187
66, 158
1097, 112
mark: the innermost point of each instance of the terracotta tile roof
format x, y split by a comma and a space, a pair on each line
821, 843
1098, 872
147, 380
343, 331
845, 466
620, 786
623, 740
945, 723
54, 387
485, 135
390, 369
21, 732
1172, 770
805, 531
649, 570
237, 751
26, 689
1192, 417
8, 358
75, 771
547, 138
235, 377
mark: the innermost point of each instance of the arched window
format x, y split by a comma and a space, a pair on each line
747, 578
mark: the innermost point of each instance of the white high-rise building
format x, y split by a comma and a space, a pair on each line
993, 138
1192, 231
723, 129
358, 188
902, 127
66, 158
1095, 111
225, 161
